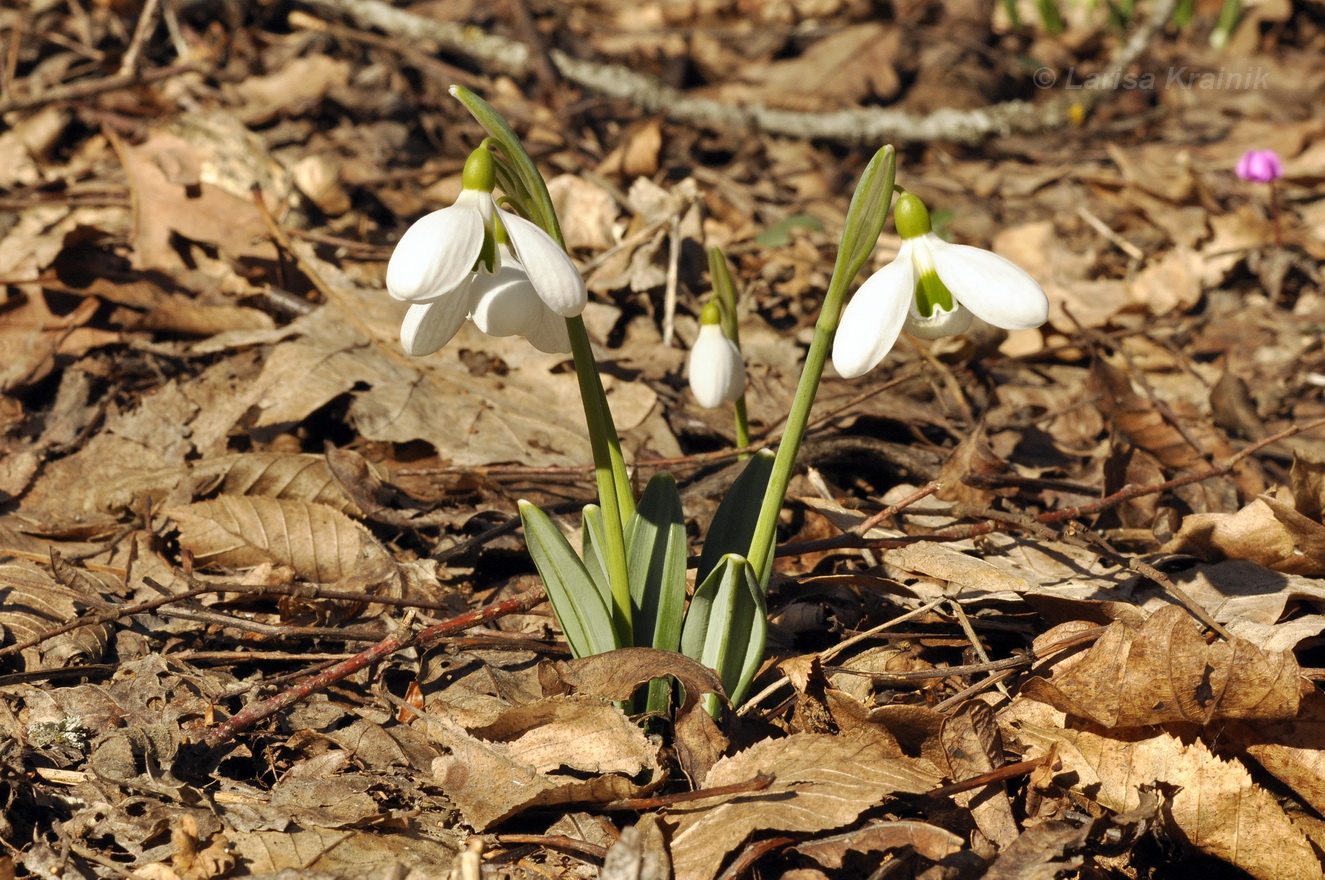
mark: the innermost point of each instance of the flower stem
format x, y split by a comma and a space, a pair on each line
725, 290
869, 208
614, 494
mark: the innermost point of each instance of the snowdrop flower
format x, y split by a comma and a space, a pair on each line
1260, 166
932, 288
717, 372
474, 261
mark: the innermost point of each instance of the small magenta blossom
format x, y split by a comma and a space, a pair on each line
715, 366
932, 288
1260, 166
473, 261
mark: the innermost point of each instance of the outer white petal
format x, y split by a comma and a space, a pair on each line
871, 321
993, 288
550, 334
429, 326
437, 253
553, 274
505, 304
717, 373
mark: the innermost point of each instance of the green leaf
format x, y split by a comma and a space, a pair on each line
576, 600
656, 560
726, 627
594, 543
733, 525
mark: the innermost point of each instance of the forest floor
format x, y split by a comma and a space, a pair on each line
1085, 641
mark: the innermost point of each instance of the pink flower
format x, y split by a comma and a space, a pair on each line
1260, 166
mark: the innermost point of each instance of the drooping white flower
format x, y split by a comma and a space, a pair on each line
715, 366
932, 288
473, 260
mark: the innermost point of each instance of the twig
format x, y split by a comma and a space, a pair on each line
1104, 229
758, 783
253, 713
864, 126
87, 88
143, 30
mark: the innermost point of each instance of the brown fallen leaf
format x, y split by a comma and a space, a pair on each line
322, 545
929, 841
1166, 672
1266, 532
821, 781
559, 750
1215, 807
1293, 750
973, 746
616, 675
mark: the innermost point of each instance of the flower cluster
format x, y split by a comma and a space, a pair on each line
932, 289
474, 261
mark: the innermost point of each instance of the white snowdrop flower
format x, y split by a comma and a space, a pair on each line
715, 367
472, 260
932, 288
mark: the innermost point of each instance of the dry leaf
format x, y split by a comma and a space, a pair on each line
972, 746
1166, 672
320, 544
1265, 532
558, 750
820, 782
1215, 806
929, 841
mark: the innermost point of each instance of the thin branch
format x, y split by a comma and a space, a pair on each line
862, 127
255, 712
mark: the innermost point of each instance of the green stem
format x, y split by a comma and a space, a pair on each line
765, 536
609, 471
724, 289
865, 217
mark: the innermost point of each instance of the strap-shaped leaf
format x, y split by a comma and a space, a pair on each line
734, 524
726, 627
579, 606
594, 542
656, 559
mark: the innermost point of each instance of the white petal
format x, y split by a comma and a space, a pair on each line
871, 321
553, 274
505, 304
429, 326
550, 334
993, 288
436, 254
717, 374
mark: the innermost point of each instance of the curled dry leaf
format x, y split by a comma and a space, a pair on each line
33, 602
616, 675
322, 545
1266, 532
973, 746
820, 782
1215, 805
929, 841
1166, 672
559, 750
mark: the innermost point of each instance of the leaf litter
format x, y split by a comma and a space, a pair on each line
219, 474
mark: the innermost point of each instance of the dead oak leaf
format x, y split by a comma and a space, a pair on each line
820, 782
1165, 672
